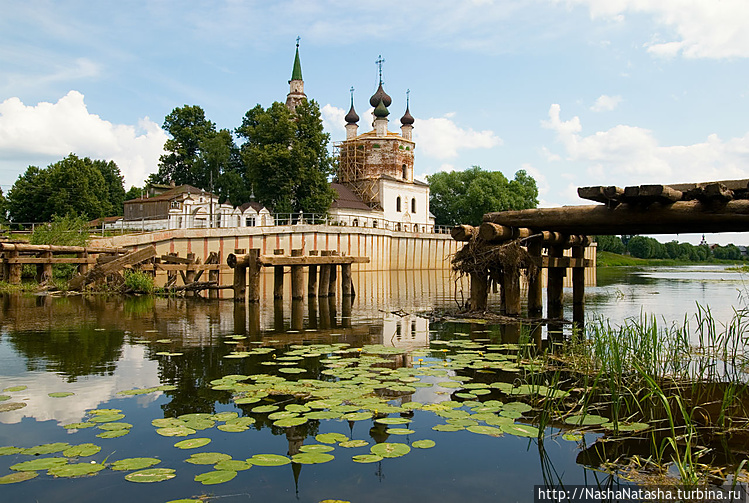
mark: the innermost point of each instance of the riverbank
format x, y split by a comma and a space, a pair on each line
608, 259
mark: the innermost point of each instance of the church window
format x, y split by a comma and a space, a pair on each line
398, 203
355, 223
413, 205
405, 172
249, 222
374, 224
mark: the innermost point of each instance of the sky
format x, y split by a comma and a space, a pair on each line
575, 92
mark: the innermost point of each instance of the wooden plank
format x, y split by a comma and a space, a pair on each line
714, 192
51, 260
660, 194
102, 270
198, 267
24, 247
270, 260
613, 193
174, 259
594, 193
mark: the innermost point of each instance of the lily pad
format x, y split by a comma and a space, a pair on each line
13, 389
331, 438
207, 458
192, 443
290, 421
316, 448
585, 420
178, 431
423, 444
167, 422
235, 465
7, 407
268, 460
392, 420
573, 437
6, 451
76, 470
151, 475
81, 450
38, 464
224, 416
134, 463
232, 428
106, 418
78, 426
4, 398
312, 458
357, 416
12, 478
215, 477
262, 409
447, 427
114, 433
485, 430
60, 394
46, 448
354, 443
115, 426
520, 430
390, 449
366, 458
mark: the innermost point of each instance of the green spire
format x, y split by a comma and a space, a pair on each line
296, 73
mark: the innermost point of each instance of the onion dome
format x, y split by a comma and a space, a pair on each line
407, 119
380, 96
381, 110
351, 116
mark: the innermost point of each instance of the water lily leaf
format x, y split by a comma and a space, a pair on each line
115, 426
262, 409
13, 389
316, 448
312, 458
520, 430
354, 443
296, 407
76, 470
449, 384
134, 463
4, 397
215, 477
573, 437
331, 438
138, 391
7, 407
151, 475
511, 414
192, 443
357, 416
224, 416
585, 420
235, 465
289, 422
517, 406
207, 458
268, 460
448, 427
323, 414
178, 431
199, 424
167, 422
423, 444
232, 428
399, 431
106, 412
12, 478
46, 448
114, 433
78, 426
242, 421
81, 450
627, 427
6, 451
392, 420
106, 418
390, 449
485, 430
60, 394
38, 464
281, 414
366, 458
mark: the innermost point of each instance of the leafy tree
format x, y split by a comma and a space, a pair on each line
728, 252
611, 244
463, 197
133, 193
3, 208
68, 230
72, 185
286, 157
640, 246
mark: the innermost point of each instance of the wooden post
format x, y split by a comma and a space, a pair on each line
297, 277
511, 285
322, 291
297, 314
82, 268
44, 271
14, 270
578, 288
333, 277
346, 281
535, 282
278, 321
240, 277
555, 287
214, 276
253, 268
240, 319
479, 291
312, 312
346, 305
312, 277
278, 277
190, 274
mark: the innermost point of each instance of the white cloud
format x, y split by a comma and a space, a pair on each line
628, 155
333, 121
441, 138
57, 129
701, 28
606, 103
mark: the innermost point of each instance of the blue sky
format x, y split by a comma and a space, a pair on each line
576, 92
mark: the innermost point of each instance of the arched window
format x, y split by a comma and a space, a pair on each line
413, 205
405, 172
355, 223
398, 203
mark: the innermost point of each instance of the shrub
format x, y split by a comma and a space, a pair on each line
138, 281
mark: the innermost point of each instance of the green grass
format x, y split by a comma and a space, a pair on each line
608, 259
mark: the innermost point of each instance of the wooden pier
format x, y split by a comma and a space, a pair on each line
322, 274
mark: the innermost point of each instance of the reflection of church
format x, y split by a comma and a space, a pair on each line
374, 183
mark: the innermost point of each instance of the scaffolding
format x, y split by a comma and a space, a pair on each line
354, 171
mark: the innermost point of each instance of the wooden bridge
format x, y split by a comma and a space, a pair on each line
645, 209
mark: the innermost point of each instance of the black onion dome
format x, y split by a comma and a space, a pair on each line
381, 110
407, 119
351, 117
380, 95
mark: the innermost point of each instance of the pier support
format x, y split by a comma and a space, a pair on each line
312, 277
324, 276
238, 262
297, 277
479, 291
253, 273
511, 288
347, 285
535, 282
578, 288
333, 277
555, 287
278, 277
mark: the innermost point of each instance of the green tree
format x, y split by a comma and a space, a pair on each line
728, 252
640, 246
463, 197
72, 185
286, 157
611, 244
3, 208
133, 193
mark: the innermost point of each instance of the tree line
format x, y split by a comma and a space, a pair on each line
647, 247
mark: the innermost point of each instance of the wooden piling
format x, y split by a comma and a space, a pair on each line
82, 268
479, 291
535, 282
44, 271
333, 277
278, 277
190, 274
312, 276
511, 287
213, 275
240, 274
346, 281
14, 270
297, 277
555, 287
253, 270
578, 288
322, 290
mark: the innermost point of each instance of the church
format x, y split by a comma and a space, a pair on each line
374, 182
